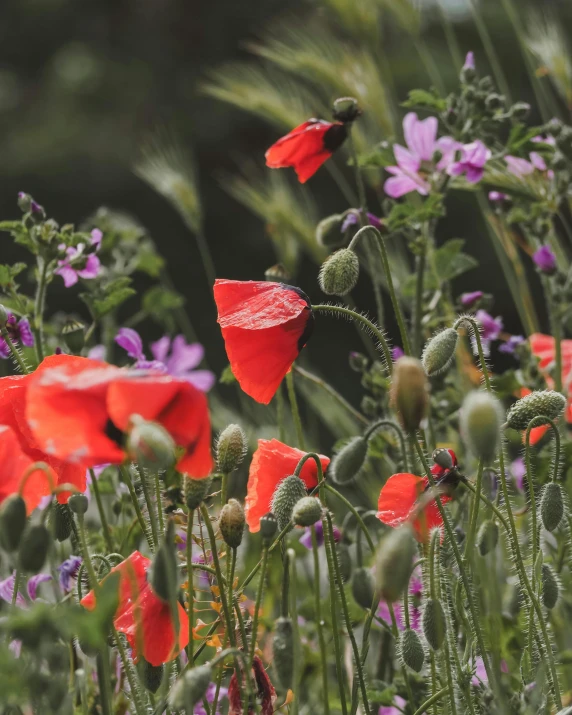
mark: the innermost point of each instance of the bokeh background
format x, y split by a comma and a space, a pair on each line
83, 84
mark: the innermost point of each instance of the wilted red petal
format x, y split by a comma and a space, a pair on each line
265, 692
272, 461
264, 326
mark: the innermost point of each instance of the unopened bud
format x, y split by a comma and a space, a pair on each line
283, 652
494, 101
480, 423
393, 562
346, 109
150, 445
307, 511
409, 392
434, 623
551, 506
363, 587
339, 273
487, 537
231, 523
24, 202
348, 462
73, 334
328, 231
152, 675
550, 587
34, 548
268, 527
287, 494
358, 362
230, 449
12, 522
439, 352
543, 403
344, 560
195, 491
411, 650
164, 577
190, 688
62, 520
442, 458
520, 110
78, 503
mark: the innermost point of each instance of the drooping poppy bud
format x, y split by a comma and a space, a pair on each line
434, 623
339, 273
152, 675
165, 569
12, 522
393, 562
550, 587
551, 506
439, 352
348, 462
288, 493
230, 448
62, 520
409, 393
307, 511
190, 688
328, 233
543, 403
363, 587
411, 650
481, 420
34, 548
231, 523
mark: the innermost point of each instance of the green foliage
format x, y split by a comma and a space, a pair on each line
422, 99
108, 297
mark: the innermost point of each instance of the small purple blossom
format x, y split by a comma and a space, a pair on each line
400, 704
7, 588
306, 538
352, 219
19, 332
97, 352
469, 61
210, 696
511, 344
548, 139
396, 353
491, 327
518, 471
498, 196
68, 571
522, 167
469, 299
474, 156
80, 261
545, 260
480, 676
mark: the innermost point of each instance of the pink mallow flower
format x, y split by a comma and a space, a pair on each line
521, 167
19, 331
80, 261
474, 156
422, 143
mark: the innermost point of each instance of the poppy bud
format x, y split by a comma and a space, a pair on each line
24, 202
150, 445
62, 520
339, 273
393, 563
344, 560
439, 352
78, 503
434, 623
152, 675
164, 577
12, 522
231, 523
230, 448
363, 587
409, 392
283, 651
347, 463
480, 423
487, 537
346, 109
411, 650
328, 233
268, 527
550, 587
34, 548
73, 334
307, 511
190, 688
195, 491
287, 494
543, 403
442, 458
551, 506
277, 274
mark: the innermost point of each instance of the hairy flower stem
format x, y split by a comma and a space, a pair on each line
39, 305
477, 334
258, 604
16, 355
432, 700
319, 621
365, 323
556, 325
142, 523
159, 500
281, 412
332, 392
190, 587
291, 565
420, 262
102, 515
393, 425
294, 408
150, 506
470, 543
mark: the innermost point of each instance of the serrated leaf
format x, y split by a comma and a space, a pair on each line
112, 301
421, 99
19, 233
150, 262
8, 273
450, 262
159, 302
406, 214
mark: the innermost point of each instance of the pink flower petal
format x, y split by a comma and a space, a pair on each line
406, 160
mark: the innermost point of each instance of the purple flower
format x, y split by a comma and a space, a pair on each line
480, 676
545, 260
491, 328
548, 139
97, 352
210, 695
306, 538
497, 196
511, 344
131, 342
521, 167
415, 591
7, 588
469, 61
68, 570
469, 299
19, 332
396, 353
518, 471
80, 261
390, 710
352, 219
474, 156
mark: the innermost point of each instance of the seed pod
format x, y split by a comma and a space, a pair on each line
152, 675
62, 520
73, 334
34, 548
488, 537
439, 352
190, 688
551, 506
268, 527
411, 650
164, 577
231, 523
283, 651
339, 273
78, 503
150, 445
307, 511
543, 403
328, 233
409, 392
344, 560
393, 562
287, 494
12, 522
363, 587
550, 587
434, 623
195, 491
442, 458
231, 448
481, 420
347, 463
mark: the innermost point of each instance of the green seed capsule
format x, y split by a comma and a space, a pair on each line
78, 503
230, 449
339, 273
307, 511
195, 491
439, 352
164, 577
481, 420
328, 232
550, 587
543, 403
190, 688
231, 523
34, 548
283, 652
268, 527
287, 494
363, 587
411, 650
348, 462
488, 537
12, 522
434, 623
551, 506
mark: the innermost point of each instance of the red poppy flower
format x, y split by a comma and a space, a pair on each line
543, 346
265, 692
271, 463
264, 326
13, 398
79, 409
144, 618
307, 147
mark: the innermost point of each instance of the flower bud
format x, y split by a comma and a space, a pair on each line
480, 424
268, 527
164, 578
439, 352
339, 273
231, 523
344, 561
190, 688
409, 392
363, 587
283, 651
34, 548
393, 562
195, 491
346, 109
348, 462
551, 506
358, 362
73, 334
434, 623
12, 522
230, 448
543, 403
550, 587
307, 511
24, 202
487, 537
62, 521
411, 650
78, 503
287, 494
328, 231
152, 675
150, 445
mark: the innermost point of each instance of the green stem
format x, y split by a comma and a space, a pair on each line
39, 305
150, 506
159, 500
420, 261
224, 489
331, 392
297, 643
360, 521
320, 623
134, 687
281, 411
104, 679
17, 577
15, 352
474, 511
430, 701
477, 334
102, 516
556, 324
190, 586
490, 504
257, 605
390, 423
294, 408
127, 479
359, 178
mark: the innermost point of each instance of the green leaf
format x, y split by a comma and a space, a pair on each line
521, 134
381, 156
20, 234
159, 302
450, 262
150, 262
8, 273
406, 214
111, 297
421, 99
227, 376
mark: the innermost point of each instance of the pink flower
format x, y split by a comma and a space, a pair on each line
521, 167
80, 261
469, 61
19, 331
474, 156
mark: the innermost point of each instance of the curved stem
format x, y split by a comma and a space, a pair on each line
39, 304
477, 333
102, 516
430, 701
330, 391
127, 479
390, 423
16, 355
354, 511
474, 511
150, 507
294, 408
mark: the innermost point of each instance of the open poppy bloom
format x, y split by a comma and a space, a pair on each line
78, 410
265, 325
144, 618
271, 463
